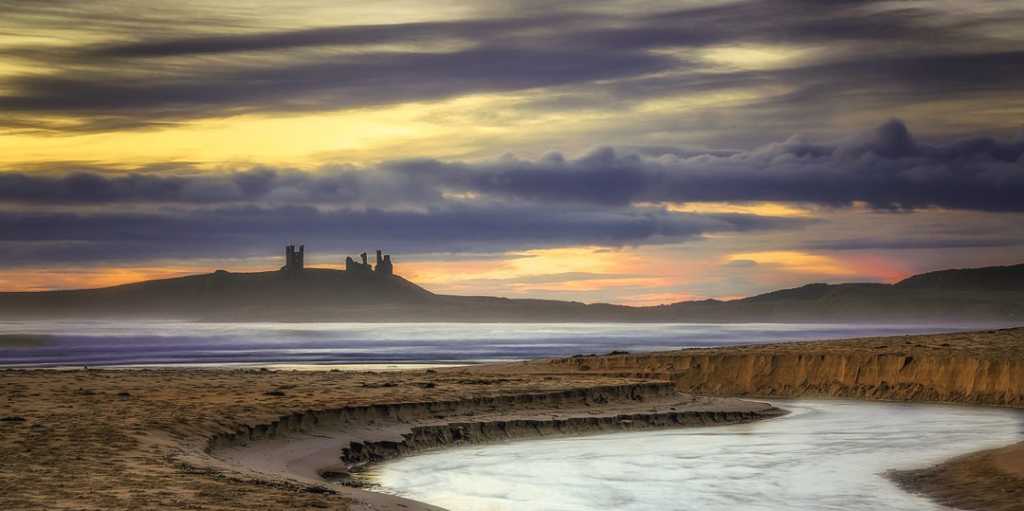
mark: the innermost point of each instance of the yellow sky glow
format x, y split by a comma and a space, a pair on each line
352, 136
759, 57
755, 208
42, 279
469, 126
530, 263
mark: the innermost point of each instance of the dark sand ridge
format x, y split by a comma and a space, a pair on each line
974, 368
330, 444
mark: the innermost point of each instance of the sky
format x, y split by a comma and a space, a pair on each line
637, 152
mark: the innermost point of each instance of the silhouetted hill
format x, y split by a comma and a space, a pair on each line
242, 295
981, 294
993, 278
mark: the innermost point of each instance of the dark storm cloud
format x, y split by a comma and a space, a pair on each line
786, 21
605, 197
140, 79
358, 35
34, 238
342, 81
909, 76
885, 168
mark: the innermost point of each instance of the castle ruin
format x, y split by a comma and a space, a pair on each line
294, 261
383, 266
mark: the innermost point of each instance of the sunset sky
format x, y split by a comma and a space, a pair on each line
637, 152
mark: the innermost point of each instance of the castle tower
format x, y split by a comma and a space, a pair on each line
294, 261
383, 263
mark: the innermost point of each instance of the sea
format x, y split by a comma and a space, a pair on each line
143, 343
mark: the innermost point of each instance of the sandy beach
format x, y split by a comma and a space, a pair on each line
129, 439
266, 439
989, 480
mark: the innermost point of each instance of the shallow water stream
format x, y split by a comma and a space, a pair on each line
826, 455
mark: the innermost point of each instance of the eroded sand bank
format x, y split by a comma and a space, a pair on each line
153, 439
315, 446
975, 368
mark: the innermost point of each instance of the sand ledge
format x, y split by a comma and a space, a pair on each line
138, 439
324, 447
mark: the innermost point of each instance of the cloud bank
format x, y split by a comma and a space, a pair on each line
605, 197
885, 168
179, 65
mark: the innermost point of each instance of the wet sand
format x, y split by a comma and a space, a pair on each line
989, 480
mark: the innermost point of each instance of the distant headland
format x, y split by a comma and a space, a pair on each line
374, 293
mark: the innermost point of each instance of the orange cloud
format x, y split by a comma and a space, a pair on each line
792, 260
579, 269
748, 208
590, 284
657, 298
530, 263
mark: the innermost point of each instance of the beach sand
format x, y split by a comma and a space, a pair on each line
990, 480
134, 439
218, 439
